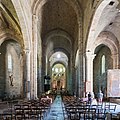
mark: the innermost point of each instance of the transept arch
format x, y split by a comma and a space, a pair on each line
58, 32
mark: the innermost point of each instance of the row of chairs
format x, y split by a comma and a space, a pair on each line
27, 110
10, 116
79, 113
74, 109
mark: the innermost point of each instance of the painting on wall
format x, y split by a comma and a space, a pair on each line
113, 83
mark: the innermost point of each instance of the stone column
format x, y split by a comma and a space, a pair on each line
89, 70
35, 43
81, 75
27, 85
115, 61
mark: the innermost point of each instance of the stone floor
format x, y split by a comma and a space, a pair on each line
56, 112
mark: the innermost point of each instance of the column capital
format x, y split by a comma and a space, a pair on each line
26, 51
90, 55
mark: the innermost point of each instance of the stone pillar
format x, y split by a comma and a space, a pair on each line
89, 70
115, 61
81, 75
27, 85
35, 43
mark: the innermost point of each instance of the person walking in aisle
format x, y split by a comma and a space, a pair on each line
100, 96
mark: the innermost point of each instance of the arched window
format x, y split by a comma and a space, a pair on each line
103, 64
10, 64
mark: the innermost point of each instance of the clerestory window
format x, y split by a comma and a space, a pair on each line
10, 62
103, 64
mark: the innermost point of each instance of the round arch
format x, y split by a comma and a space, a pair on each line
93, 32
24, 23
59, 62
12, 65
5, 36
39, 3
63, 59
60, 33
59, 50
58, 76
36, 6
109, 40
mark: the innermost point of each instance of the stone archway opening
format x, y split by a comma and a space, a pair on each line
58, 77
58, 65
12, 70
102, 62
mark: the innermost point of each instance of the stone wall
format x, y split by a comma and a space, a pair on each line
11, 79
2, 71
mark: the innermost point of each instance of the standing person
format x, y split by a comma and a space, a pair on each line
89, 98
92, 95
100, 96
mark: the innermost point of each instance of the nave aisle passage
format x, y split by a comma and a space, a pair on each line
55, 112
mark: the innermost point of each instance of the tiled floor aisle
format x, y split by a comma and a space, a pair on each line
56, 112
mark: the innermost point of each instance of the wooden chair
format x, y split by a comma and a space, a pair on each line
73, 114
6, 116
90, 114
101, 114
110, 107
19, 114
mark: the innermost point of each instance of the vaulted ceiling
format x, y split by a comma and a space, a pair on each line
56, 15
8, 16
58, 11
